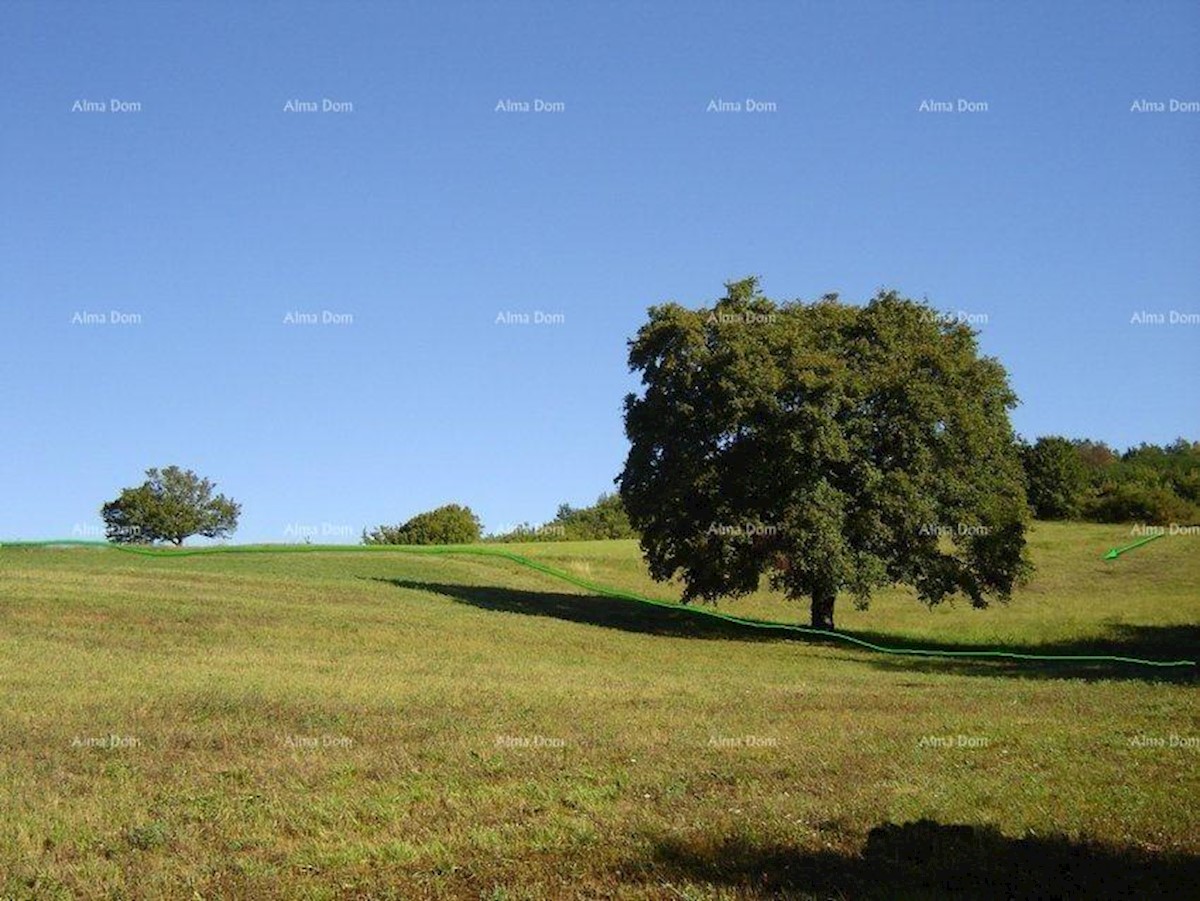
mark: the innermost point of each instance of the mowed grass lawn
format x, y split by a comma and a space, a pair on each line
330, 725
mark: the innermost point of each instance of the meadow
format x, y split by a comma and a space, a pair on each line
392, 725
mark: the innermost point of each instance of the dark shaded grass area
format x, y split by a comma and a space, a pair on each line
1166, 643
597, 610
916, 861
1148, 642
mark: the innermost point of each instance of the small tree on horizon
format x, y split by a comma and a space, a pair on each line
171, 505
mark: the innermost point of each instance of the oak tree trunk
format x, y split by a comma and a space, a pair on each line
822, 609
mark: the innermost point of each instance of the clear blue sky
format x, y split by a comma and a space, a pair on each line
212, 213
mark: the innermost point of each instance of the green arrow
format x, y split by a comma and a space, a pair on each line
1118, 551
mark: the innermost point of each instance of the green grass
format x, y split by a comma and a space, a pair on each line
328, 725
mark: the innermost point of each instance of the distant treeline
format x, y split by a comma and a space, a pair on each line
1066, 478
604, 519
1088, 480
458, 524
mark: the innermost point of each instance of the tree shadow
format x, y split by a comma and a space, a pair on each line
927, 860
1156, 643
1147, 642
594, 610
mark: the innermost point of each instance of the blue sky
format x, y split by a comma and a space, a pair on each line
211, 213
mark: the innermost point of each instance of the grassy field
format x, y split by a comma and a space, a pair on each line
387, 725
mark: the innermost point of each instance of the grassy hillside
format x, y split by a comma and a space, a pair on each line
334, 725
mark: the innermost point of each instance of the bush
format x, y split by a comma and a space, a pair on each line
448, 524
1134, 502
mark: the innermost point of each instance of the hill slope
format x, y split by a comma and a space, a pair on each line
333, 725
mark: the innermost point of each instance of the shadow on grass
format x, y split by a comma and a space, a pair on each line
1148, 642
1164, 643
595, 610
928, 860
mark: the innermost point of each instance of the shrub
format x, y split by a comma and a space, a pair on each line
448, 524
1136, 502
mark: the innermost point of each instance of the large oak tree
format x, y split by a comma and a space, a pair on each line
829, 446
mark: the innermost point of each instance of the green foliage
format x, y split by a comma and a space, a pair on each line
1095, 455
1138, 502
146, 837
448, 524
1057, 477
1148, 483
605, 519
171, 505
826, 445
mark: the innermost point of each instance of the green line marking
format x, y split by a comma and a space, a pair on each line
1118, 551
500, 553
